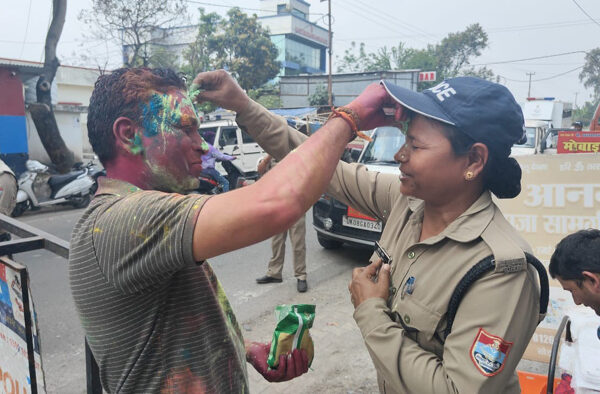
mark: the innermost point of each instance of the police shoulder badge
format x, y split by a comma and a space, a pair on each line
489, 353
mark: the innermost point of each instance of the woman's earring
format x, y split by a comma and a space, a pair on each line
469, 175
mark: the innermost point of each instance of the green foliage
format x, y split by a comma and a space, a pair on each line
585, 113
243, 47
450, 58
237, 43
267, 96
130, 23
319, 97
590, 74
199, 55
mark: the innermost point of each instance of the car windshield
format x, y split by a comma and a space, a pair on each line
386, 142
530, 133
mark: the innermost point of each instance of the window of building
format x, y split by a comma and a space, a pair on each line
299, 14
282, 9
302, 54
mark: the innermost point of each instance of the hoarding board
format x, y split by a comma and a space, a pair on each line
560, 195
20, 360
578, 142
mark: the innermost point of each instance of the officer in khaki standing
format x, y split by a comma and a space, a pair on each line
297, 237
440, 221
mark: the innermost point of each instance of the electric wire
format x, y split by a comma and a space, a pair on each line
26, 30
586, 14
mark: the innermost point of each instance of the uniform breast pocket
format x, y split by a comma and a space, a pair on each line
419, 322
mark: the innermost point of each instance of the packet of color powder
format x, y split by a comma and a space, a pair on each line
291, 332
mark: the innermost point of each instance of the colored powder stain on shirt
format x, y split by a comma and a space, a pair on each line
97, 230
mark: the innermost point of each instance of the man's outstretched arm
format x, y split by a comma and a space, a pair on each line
245, 216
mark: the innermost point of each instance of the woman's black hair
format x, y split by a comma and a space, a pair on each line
501, 175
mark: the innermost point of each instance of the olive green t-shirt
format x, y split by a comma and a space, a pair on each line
155, 319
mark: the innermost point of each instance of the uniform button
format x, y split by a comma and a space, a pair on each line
406, 319
411, 255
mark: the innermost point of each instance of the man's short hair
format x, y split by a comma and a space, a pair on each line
576, 253
121, 93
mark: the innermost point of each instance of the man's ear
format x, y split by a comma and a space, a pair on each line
593, 279
477, 158
124, 130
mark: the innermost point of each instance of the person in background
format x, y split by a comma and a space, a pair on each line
575, 263
209, 160
440, 221
8, 194
297, 234
153, 311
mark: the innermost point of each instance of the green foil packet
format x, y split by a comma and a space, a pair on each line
291, 332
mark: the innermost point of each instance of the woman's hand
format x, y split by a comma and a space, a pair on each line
290, 366
372, 281
219, 88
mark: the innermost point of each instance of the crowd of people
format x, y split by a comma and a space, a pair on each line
154, 313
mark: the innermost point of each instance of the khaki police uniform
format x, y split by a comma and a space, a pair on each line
8, 189
404, 334
297, 234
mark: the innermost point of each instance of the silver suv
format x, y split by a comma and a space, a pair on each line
337, 223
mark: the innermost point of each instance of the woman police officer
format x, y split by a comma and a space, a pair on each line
440, 221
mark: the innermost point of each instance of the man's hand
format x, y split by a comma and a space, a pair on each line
364, 286
221, 89
369, 107
290, 365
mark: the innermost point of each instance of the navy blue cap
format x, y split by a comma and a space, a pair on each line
485, 111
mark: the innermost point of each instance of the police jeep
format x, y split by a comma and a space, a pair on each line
337, 223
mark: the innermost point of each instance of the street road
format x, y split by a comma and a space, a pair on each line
328, 275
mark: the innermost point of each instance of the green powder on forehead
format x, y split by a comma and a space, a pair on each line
194, 91
163, 111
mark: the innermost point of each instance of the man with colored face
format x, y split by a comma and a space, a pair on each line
576, 265
155, 315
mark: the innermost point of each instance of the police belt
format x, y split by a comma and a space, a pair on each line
477, 271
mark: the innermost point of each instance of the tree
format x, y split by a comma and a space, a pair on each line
590, 74
319, 97
41, 111
243, 47
132, 24
450, 58
585, 113
199, 55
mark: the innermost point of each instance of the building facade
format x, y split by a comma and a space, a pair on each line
71, 91
302, 44
296, 90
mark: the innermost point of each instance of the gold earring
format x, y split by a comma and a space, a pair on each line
469, 175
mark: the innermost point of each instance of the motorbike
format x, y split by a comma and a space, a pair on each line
208, 185
38, 187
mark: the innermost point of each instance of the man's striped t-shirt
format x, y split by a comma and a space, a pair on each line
155, 319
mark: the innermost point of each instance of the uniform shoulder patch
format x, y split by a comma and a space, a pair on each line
489, 353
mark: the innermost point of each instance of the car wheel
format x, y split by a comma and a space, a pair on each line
329, 243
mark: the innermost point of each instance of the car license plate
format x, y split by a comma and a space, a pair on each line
362, 224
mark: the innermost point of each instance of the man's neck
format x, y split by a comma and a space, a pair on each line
128, 169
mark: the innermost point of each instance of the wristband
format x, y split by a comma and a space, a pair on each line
351, 118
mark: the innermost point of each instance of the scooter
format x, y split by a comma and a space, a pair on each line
39, 188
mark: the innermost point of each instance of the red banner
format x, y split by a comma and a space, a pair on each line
578, 142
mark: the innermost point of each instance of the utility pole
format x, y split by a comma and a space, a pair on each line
529, 90
575, 102
329, 87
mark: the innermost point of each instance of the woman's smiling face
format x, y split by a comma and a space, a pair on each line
429, 168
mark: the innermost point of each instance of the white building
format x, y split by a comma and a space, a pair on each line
302, 44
